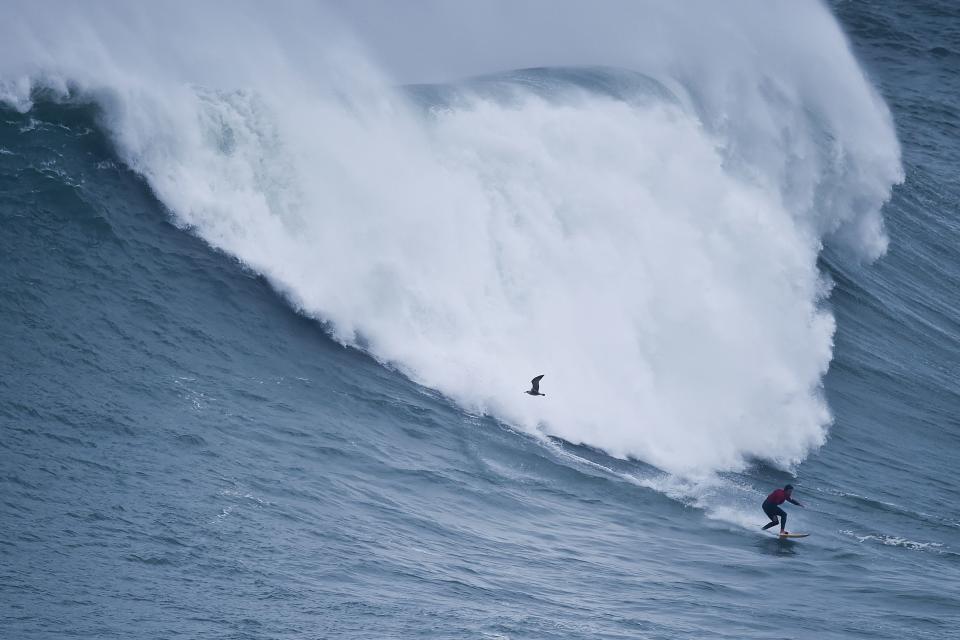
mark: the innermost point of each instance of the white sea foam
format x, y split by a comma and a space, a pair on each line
656, 262
894, 541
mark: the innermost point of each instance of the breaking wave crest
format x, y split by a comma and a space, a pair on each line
644, 230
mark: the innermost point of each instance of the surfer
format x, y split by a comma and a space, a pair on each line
771, 507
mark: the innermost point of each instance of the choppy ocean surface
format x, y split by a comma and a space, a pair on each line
264, 326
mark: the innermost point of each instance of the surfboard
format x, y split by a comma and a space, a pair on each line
792, 535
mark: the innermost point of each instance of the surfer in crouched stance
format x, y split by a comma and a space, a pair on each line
771, 507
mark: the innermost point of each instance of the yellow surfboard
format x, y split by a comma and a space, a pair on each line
792, 535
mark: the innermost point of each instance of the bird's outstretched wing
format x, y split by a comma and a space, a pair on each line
536, 383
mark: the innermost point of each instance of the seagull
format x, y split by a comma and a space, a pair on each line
535, 387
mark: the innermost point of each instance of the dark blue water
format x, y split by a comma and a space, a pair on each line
182, 455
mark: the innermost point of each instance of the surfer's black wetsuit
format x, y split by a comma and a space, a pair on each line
771, 507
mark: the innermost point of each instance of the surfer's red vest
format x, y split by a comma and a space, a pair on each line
778, 496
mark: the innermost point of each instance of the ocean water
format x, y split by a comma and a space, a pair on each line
272, 283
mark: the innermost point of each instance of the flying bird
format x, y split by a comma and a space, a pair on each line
535, 387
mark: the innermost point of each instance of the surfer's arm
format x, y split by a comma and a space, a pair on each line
792, 501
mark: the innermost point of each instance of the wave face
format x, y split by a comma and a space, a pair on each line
643, 228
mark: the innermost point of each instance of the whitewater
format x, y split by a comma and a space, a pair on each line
651, 245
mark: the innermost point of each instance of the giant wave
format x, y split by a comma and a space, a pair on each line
650, 241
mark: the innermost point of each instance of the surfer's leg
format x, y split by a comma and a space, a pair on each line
783, 522
771, 512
